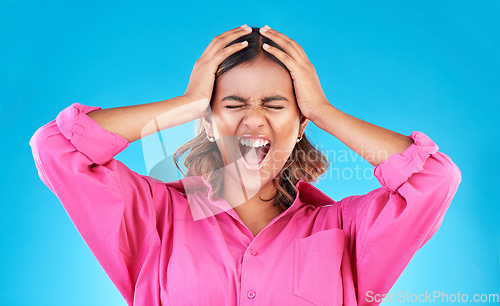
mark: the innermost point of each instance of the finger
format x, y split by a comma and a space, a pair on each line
233, 33
290, 46
283, 57
282, 40
299, 47
224, 53
220, 41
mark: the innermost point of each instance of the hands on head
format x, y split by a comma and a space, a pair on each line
308, 91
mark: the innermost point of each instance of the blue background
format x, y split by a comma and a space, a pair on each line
431, 66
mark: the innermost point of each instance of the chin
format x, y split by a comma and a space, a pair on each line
252, 181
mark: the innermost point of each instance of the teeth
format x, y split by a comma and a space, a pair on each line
254, 143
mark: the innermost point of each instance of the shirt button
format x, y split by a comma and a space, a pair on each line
254, 252
251, 294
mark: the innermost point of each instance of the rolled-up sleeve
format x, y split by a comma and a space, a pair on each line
388, 225
110, 205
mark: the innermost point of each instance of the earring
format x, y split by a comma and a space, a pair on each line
211, 138
299, 138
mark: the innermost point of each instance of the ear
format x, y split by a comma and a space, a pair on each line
303, 123
206, 120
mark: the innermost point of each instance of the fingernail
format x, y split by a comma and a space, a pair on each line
245, 27
264, 28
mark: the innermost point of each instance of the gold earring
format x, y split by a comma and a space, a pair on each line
211, 138
299, 138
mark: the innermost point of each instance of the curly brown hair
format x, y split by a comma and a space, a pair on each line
305, 162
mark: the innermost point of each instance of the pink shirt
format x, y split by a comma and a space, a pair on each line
178, 244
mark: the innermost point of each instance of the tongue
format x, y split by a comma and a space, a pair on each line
252, 155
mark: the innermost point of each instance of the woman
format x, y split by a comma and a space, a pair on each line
245, 226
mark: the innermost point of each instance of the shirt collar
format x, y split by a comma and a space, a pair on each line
307, 193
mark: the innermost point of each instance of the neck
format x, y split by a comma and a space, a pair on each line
247, 203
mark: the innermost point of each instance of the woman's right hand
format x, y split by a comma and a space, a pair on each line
201, 81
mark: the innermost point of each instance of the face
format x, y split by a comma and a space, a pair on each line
256, 122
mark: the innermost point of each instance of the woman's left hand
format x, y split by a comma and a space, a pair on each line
308, 91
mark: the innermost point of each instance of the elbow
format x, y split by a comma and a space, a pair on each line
433, 188
43, 140
446, 185
42, 155
51, 150
38, 139
450, 175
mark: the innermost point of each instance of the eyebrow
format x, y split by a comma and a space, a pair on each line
264, 100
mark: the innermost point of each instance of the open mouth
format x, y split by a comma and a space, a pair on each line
254, 151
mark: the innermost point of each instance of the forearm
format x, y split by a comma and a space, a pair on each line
137, 121
374, 143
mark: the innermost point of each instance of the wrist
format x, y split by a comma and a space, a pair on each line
197, 105
320, 111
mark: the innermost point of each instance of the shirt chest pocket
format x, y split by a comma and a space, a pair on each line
316, 264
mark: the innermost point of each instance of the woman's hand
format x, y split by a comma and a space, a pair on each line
201, 81
375, 144
308, 91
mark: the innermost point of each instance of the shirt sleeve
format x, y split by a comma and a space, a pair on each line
387, 226
110, 205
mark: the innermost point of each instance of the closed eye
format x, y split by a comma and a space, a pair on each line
238, 106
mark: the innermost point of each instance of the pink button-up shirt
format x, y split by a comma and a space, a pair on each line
177, 243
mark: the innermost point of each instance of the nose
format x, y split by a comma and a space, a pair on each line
254, 118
